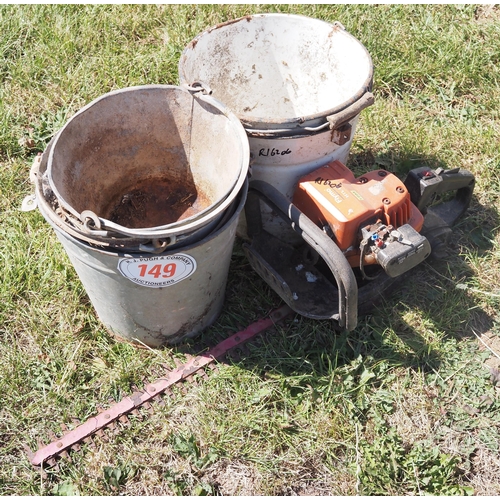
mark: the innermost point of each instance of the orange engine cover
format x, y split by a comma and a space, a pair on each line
332, 196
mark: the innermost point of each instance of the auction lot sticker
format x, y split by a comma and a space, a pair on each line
157, 272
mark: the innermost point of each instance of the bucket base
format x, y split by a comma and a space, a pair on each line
147, 339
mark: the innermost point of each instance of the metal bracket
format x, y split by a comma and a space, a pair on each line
196, 87
342, 135
29, 203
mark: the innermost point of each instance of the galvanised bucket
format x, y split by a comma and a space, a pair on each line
152, 162
138, 155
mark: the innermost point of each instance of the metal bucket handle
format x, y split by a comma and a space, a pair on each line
88, 228
338, 119
333, 121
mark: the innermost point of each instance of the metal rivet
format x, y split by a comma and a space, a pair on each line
386, 201
363, 180
382, 173
59, 444
152, 388
107, 415
399, 189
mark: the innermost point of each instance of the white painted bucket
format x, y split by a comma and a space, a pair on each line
297, 84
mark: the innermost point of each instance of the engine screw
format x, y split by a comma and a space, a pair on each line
399, 189
386, 201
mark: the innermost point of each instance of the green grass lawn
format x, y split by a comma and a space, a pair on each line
404, 405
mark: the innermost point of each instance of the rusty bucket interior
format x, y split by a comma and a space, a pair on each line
148, 157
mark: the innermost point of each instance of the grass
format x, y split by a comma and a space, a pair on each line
404, 405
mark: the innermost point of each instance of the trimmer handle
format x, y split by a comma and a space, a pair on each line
424, 184
314, 237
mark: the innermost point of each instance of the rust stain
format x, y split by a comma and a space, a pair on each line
155, 202
228, 23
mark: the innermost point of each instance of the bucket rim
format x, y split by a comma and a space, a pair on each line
56, 216
177, 227
238, 202
296, 124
